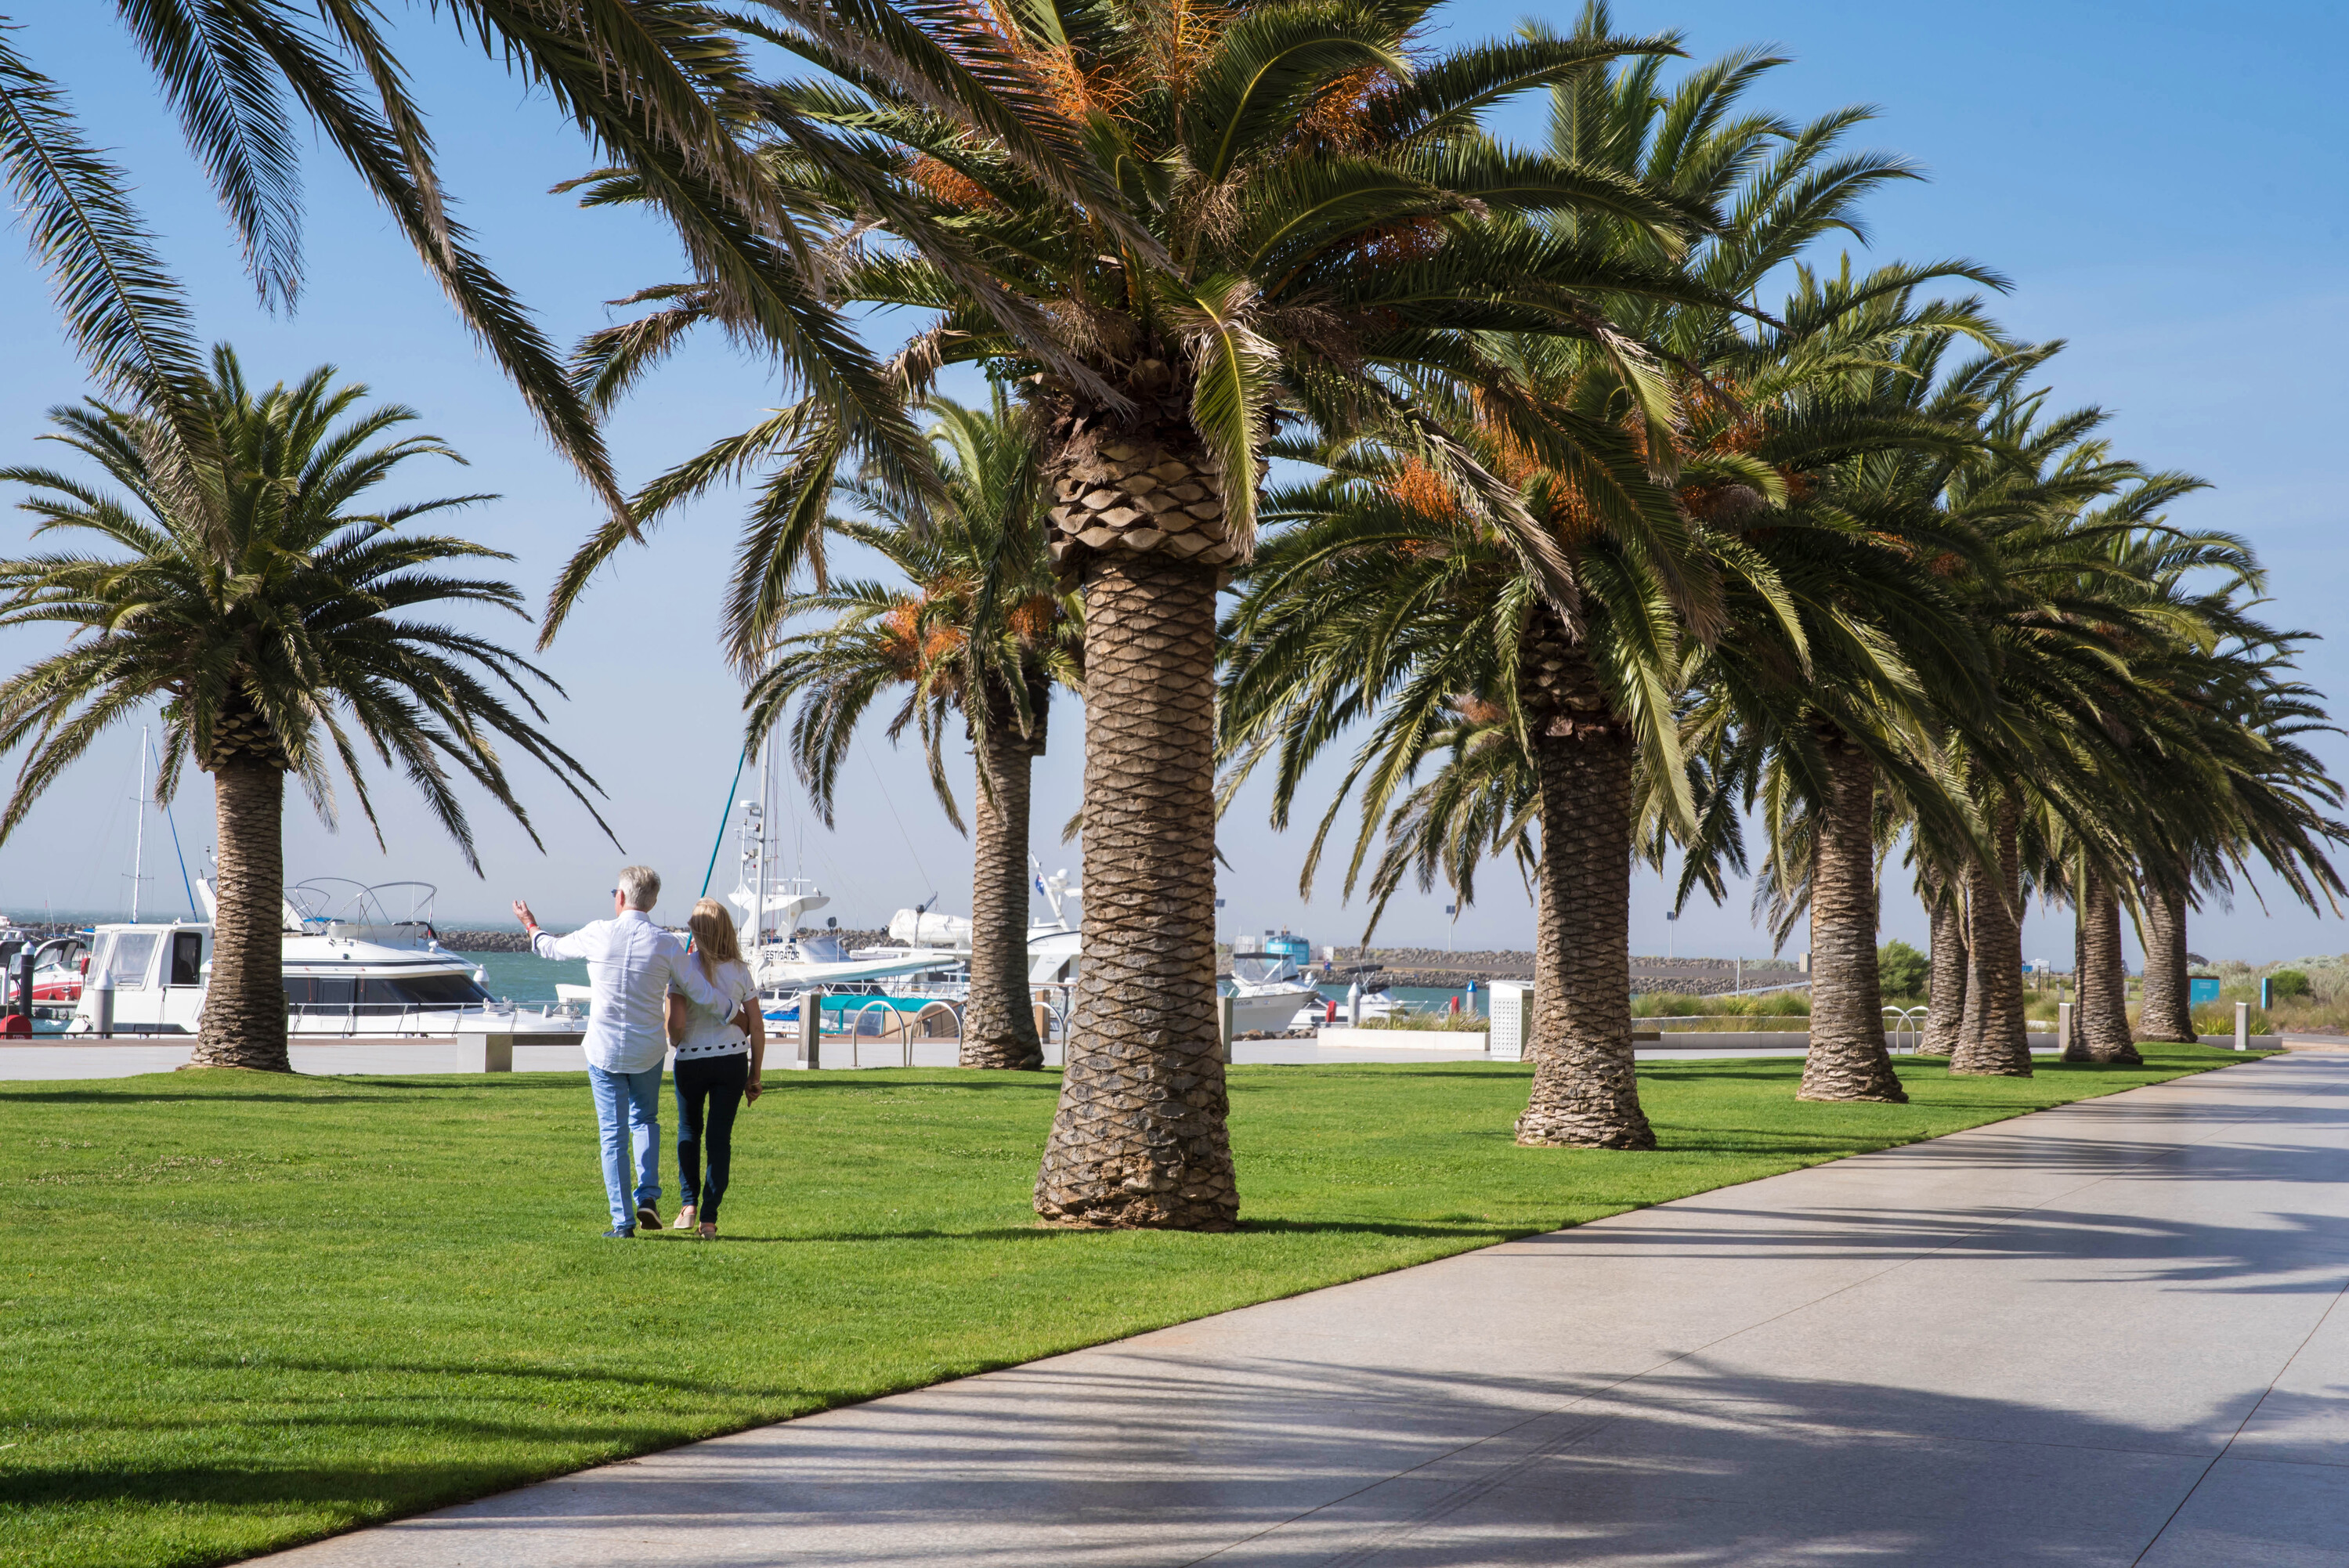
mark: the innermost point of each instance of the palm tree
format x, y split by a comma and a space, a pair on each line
1333, 627
1294, 215
1945, 988
266, 614
982, 631
2101, 1030
2262, 796
1838, 747
2066, 762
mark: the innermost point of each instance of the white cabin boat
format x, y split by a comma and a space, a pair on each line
349, 969
1271, 994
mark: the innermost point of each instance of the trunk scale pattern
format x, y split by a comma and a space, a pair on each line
1585, 1093
2100, 1028
2168, 1014
1945, 1005
1139, 1138
1000, 1025
1846, 1059
1994, 939
245, 1005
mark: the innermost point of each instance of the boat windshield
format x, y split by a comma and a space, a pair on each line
1262, 968
382, 991
129, 958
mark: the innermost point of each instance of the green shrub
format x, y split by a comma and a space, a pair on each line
1902, 969
2288, 983
1679, 1004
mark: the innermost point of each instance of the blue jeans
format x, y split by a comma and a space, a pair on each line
640, 1094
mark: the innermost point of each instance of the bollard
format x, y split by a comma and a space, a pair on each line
20, 1022
811, 1029
2243, 1026
2063, 1031
1223, 1023
101, 1010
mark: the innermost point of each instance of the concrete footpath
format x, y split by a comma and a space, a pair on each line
2108, 1333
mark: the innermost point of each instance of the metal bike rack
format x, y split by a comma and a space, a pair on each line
952, 1011
1910, 1023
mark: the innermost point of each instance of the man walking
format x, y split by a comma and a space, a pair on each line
631, 965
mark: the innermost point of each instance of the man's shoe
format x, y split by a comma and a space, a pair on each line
622, 1232
647, 1218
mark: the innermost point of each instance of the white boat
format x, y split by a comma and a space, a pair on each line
1271, 994
771, 907
349, 969
1055, 947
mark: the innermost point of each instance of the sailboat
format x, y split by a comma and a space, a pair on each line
772, 906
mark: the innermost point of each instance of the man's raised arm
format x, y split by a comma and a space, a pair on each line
574, 945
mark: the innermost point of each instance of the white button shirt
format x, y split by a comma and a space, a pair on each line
631, 965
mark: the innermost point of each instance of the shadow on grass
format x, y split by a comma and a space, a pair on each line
978, 1079
465, 1378
376, 1090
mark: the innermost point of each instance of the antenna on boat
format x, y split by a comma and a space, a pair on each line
186, 882
138, 835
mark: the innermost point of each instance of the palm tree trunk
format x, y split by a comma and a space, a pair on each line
1945, 1002
245, 1005
2100, 1028
999, 1024
1970, 1021
1846, 1059
1139, 1138
1994, 939
1585, 1094
2167, 1015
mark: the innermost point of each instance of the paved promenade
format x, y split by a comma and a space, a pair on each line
2104, 1334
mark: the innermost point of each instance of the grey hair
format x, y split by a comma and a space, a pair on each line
641, 885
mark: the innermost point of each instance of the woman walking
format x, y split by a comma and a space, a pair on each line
718, 1053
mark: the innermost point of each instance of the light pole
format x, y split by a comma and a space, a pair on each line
1671, 919
1451, 918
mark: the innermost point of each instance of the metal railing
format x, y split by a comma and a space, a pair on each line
905, 1022
1058, 1000
1909, 1023
427, 1018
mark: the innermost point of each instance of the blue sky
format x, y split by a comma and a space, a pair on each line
2157, 178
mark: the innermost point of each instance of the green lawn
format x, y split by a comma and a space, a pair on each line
242, 1311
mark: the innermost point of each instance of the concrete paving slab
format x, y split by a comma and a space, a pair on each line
2248, 1512
2106, 1333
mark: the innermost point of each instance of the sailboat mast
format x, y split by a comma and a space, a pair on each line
138, 836
766, 840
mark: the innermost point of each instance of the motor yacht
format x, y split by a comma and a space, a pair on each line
1270, 992
351, 968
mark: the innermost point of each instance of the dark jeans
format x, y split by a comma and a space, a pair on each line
715, 1083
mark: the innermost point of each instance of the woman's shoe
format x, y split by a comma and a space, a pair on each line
709, 1229
685, 1218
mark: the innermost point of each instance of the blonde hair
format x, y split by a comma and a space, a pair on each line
713, 936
